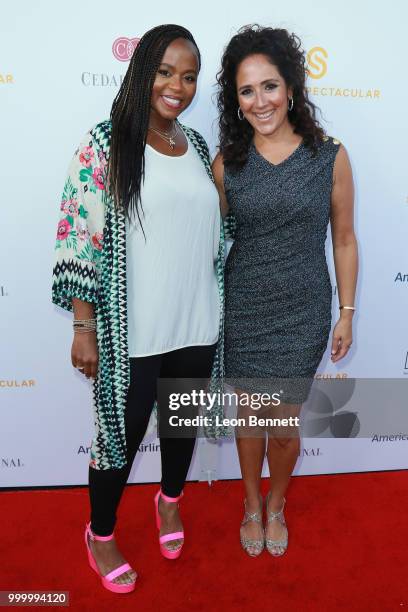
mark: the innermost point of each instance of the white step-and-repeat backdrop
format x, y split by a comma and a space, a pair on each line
60, 67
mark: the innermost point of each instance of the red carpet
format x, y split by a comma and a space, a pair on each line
347, 548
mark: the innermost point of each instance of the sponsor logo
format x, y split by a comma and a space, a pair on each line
338, 376
101, 79
347, 92
143, 448
3, 291
17, 383
406, 364
83, 450
316, 62
390, 438
124, 47
6, 79
310, 452
149, 448
317, 68
401, 278
11, 462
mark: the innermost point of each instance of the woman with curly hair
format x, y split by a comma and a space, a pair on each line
281, 180
139, 261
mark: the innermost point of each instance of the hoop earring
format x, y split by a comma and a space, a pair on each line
290, 104
239, 116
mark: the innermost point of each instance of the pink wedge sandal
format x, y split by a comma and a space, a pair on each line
107, 580
177, 535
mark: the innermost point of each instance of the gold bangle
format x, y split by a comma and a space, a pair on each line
346, 308
84, 325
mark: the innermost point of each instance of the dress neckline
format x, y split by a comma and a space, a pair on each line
284, 161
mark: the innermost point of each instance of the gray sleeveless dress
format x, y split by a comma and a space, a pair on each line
277, 287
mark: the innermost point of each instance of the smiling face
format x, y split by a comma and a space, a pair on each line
176, 80
262, 94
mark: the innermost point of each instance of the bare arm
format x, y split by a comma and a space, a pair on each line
345, 251
84, 351
218, 173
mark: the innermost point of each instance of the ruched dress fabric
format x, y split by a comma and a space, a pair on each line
278, 292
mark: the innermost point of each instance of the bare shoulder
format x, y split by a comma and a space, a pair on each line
218, 170
342, 165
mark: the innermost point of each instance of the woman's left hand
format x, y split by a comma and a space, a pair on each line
342, 339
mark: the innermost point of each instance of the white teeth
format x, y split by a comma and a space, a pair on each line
264, 115
172, 101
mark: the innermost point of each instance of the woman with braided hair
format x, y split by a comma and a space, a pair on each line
139, 262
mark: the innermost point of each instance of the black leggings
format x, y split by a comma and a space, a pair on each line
106, 486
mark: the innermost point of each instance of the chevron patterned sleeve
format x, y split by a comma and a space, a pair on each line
80, 228
229, 226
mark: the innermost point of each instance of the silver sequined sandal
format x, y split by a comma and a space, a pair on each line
272, 546
247, 544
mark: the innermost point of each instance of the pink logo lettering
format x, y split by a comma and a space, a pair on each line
123, 48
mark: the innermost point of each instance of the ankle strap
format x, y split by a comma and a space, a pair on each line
93, 535
170, 499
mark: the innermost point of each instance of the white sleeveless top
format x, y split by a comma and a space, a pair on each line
172, 289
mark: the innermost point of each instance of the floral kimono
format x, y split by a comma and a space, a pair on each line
91, 265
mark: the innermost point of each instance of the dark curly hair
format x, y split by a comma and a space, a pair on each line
284, 51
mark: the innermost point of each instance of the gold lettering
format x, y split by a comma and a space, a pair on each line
30, 382
338, 92
346, 94
323, 91
317, 66
6, 78
376, 93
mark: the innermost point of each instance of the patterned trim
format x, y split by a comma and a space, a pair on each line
217, 374
73, 279
110, 388
230, 226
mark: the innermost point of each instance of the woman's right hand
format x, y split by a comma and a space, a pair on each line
84, 353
